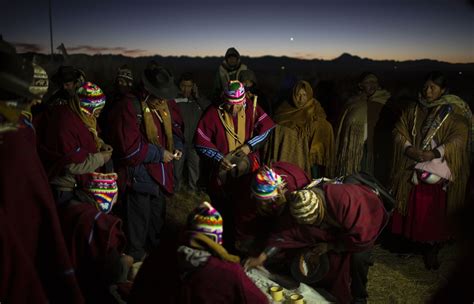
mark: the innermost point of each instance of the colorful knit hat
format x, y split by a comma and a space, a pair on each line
266, 188
125, 73
40, 83
91, 97
103, 188
234, 93
207, 220
307, 207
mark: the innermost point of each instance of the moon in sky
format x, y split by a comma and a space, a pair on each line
291, 38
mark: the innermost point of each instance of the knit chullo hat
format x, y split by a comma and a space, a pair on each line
207, 220
266, 188
40, 83
307, 206
125, 73
234, 93
103, 188
91, 98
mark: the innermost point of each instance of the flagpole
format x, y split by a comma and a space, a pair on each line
51, 30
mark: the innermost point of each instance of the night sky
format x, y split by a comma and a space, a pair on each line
377, 29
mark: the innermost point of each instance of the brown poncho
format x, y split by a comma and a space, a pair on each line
310, 122
453, 135
356, 126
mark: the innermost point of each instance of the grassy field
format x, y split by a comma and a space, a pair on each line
392, 279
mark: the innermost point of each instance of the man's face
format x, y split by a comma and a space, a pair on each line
248, 84
233, 109
369, 85
186, 87
124, 86
232, 61
70, 87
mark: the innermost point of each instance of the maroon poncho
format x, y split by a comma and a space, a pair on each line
218, 281
19, 281
247, 222
130, 142
211, 140
63, 139
361, 215
27, 202
91, 237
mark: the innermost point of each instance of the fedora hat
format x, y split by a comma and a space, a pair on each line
159, 82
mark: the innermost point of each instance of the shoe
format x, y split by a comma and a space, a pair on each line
430, 258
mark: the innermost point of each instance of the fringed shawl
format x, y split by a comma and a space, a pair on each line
453, 135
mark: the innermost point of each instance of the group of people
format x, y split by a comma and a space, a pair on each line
84, 184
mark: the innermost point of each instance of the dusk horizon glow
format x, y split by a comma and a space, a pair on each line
380, 30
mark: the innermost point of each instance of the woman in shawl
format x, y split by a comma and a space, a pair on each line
306, 115
429, 170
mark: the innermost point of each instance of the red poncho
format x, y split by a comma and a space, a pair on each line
361, 215
130, 141
27, 202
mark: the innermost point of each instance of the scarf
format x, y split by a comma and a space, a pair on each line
202, 241
309, 120
162, 112
234, 139
463, 107
89, 120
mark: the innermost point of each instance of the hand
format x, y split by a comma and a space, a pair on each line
245, 149
106, 148
320, 249
126, 260
253, 262
178, 154
414, 153
167, 156
225, 164
106, 155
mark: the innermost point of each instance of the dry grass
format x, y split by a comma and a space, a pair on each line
392, 279
405, 280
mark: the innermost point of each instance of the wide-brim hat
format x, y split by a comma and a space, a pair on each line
65, 74
315, 271
16, 74
159, 82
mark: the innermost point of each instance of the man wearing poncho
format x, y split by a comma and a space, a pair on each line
196, 269
355, 138
341, 221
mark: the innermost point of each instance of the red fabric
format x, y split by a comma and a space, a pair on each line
19, 281
247, 222
26, 199
220, 282
91, 237
216, 282
359, 211
362, 217
63, 139
211, 134
90, 234
426, 218
130, 142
